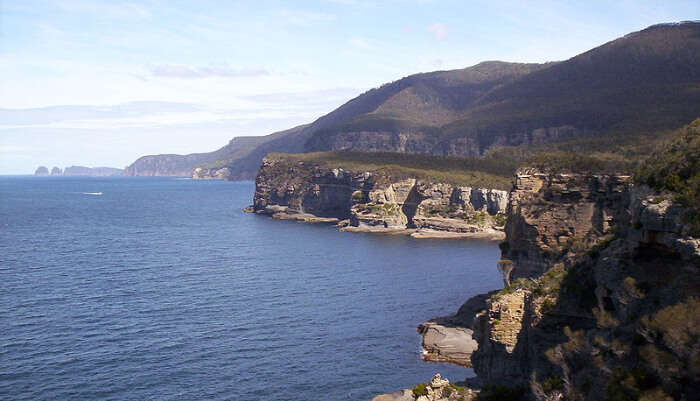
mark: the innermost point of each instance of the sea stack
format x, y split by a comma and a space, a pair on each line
42, 171
56, 171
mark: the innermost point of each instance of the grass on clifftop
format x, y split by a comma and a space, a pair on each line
676, 170
486, 172
617, 151
620, 151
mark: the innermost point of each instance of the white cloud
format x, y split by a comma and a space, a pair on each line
438, 30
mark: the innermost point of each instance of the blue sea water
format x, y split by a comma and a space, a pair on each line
163, 289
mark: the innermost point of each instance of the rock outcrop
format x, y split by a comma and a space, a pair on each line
554, 217
376, 201
165, 165
437, 389
41, 171
451, 338
79, 171
201, 173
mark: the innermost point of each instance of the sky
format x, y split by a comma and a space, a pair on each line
101, 83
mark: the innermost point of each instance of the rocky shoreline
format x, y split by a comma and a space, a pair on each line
437, 389
376, 202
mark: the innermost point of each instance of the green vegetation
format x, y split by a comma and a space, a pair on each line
478, 218
676, 170
616, 151
477, 172
676, 326
457, 389
359, 197
420, 389
634, 384
547, 285
382, 209
500, 219
438, 210
552, 383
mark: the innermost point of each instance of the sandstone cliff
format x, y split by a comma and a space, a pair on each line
376, 201
602, 295
554, 217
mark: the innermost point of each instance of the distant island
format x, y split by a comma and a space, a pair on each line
79, 171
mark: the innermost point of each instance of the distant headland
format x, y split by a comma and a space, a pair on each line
76, 171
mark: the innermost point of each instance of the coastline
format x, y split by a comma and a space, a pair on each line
282, 213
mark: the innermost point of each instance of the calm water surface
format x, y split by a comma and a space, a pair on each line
162, 289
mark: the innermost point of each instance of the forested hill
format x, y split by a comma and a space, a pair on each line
644, 82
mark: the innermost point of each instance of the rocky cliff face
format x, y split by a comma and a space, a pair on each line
424, 140
375, 201
553, 218
603, 294
165, 165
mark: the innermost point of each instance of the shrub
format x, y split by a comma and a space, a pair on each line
359, 196
447, 391
458, 389
552, 383
548, 305
420, 389
500, 220
676, 170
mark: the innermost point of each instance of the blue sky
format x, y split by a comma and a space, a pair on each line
95, 82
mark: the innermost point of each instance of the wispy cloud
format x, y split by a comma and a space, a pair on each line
303, 106
192, 72
438, 30
305, 18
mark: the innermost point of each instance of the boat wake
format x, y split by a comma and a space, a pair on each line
92, 193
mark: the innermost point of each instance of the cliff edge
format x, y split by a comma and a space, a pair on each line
376, 201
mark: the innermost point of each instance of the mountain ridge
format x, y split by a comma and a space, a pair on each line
645, 81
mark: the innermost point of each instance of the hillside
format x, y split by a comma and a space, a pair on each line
183, 165
445, 93
604, 100
644, 81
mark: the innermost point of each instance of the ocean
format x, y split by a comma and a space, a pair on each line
163, 289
